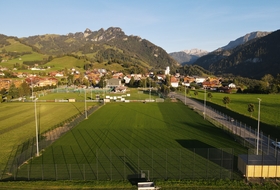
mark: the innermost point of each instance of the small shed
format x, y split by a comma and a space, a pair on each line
255, 166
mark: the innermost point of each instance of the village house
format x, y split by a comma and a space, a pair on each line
212, 83
199, 80
112, 83
47, 82
174, 82
188, 80
118, 75
127, 79
232, 85
5, 83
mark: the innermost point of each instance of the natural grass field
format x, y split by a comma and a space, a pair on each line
18, 122
18, 118
270, 103
132, 133
18, 47
59, 63
91, 93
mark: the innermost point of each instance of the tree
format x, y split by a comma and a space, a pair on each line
226, 100
168, 80
102, 82
195, 93
131, 82
209, 95
13, 91
251, 109
26, 89
188, 91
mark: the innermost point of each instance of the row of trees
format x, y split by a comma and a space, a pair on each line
24, 90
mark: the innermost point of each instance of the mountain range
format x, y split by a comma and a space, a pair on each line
112, 46
188, 56
253, 55
247, 58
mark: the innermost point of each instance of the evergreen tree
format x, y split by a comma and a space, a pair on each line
13, 91
131, 82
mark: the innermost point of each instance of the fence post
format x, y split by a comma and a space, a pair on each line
124, 164
96, 165
222, 157
84, 172
138, 162
56, 172
180, 163
152, 163
28, 175
193, 162
207, 163
70, 172
262, 142
240, 126
275, 150
111, 164
268, 145
42, 167
165, 163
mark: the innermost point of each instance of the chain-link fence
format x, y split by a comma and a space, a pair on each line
246, 135
127, 164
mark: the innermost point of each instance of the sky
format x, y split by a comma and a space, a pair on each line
174, 25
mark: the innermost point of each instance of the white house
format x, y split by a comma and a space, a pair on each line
59, 75
174, 82
231, 85
199, 79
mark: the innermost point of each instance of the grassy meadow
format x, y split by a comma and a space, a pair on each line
18, 47
270, 103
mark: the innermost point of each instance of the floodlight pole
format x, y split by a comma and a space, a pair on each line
36, 123
103, 92
85, 106
259, 113
32, 88
185, 94
150, 90
204, 111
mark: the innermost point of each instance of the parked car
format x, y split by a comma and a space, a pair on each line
276, 144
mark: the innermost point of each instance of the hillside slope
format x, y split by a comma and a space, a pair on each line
253, 59
111, 45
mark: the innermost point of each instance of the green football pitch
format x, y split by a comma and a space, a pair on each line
165, 140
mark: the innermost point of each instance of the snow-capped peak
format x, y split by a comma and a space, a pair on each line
197, 52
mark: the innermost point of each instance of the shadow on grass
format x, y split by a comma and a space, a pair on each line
135, 177
221, 158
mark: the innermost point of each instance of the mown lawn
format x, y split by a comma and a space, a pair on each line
269, 107
18, 122
141, 135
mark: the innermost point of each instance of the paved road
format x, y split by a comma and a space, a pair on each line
249, 135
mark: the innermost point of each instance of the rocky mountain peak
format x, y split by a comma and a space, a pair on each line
197, 52
87, 32
243, 39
